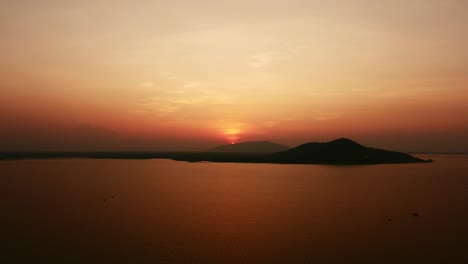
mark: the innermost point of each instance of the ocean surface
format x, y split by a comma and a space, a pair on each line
163, 211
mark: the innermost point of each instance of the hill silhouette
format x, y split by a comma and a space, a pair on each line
340, 151
250, 147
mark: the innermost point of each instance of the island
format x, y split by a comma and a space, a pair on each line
341, 151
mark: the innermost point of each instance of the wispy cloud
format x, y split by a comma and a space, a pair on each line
157, 105
192, 84
168, 102
270, 124
264, 59
325, 116
168, 75
260, 60
146, 84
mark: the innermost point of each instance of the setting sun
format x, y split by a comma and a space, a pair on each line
232, 135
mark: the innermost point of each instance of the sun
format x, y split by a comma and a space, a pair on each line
232, 135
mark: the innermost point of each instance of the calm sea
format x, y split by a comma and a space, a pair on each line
162, 211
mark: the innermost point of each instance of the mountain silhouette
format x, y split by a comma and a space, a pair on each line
250, 147
340, 151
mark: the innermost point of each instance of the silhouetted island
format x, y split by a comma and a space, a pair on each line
341, 151
250, 147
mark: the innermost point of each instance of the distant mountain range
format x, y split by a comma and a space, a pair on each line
250, 147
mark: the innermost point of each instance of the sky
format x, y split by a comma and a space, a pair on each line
189, 75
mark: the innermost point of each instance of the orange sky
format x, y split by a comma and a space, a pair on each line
187, 75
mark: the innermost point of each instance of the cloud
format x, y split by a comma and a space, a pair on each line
325, 116
168, 75
260, 60
270, 124
264, 59
192, 84
146, 84
159, 105
169, 102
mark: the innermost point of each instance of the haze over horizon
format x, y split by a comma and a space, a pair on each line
190, 75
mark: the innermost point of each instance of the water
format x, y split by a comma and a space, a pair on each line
162, 211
